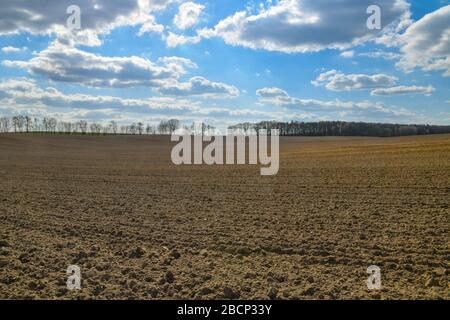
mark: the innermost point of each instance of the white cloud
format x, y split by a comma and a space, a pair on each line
10, 49
23, 96
64, 63
97, 17
280, 98
271, 92
24, 91
173, 40
150, 25
403, 90
19, 85
26, 97
178, 63
338, 81
426, 43
348, 54
381, 54
188, 15
308, 25
61, 62
200, 86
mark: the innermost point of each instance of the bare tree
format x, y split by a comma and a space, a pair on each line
132, 128
163, 127
96, 128
82, 125
36, 126
45, 124
21, 123
68, 127
150, 129
5, 124
173, 124
140, 127
52, 124
15, 123
64, 127
113, 127
28, 123
18, 123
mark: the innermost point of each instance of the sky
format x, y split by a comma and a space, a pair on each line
224, 62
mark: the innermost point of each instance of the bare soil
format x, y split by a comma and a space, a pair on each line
140, 227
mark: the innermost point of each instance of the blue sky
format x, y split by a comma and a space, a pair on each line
224, 61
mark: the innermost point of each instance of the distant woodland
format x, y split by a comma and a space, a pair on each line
342, 128
28, 124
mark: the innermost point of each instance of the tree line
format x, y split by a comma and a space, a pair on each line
52, 125
28, 124
342, 128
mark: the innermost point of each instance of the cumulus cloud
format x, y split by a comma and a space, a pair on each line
200, 86
337, 81
22, 91
64, 63
188, 15
403, 90
309, 25
269, 96
271, 92
426, 43
26, 97
97, 17
348, 54
61, 62
150, 25
10, 49
386, 55
173, 40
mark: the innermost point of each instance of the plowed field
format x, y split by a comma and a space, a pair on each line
140, 227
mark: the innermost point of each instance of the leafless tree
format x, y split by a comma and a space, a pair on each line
68, 127
132, 128
173, 125
18, 123
45, 124
163, 127
150, 129
113, 127
5, 124
64, 127
52, 124
15, 123
49, 124
140, 128
36, 125
82, 126
96, 128
28, 123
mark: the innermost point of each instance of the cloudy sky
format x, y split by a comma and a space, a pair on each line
226, 61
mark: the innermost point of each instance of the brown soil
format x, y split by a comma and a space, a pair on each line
140, 227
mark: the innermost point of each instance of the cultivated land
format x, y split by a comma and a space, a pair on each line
140, 227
